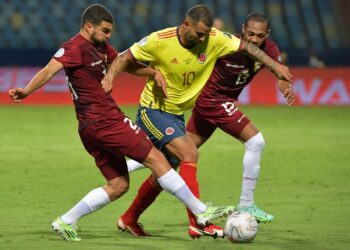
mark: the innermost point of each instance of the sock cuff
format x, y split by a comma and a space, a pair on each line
152, 184
188, 164
171, 181
95, 198
256, 140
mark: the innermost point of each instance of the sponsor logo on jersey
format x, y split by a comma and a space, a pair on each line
59, 53
96, 63
174, 61
230, 65
202, 57
169, 131
143, 41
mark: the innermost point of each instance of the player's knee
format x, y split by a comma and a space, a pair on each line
117, 189
257, 142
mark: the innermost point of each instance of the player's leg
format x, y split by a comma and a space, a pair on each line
112, 166
198, 130
165, 129
240, 127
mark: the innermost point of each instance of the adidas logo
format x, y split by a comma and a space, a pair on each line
174, 61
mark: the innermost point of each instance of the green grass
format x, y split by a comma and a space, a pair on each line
304, 182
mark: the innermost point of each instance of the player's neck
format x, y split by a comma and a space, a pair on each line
86, 36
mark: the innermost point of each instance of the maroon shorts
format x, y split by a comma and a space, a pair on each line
224, 115
109, 141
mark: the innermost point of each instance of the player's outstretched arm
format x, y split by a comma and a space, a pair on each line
118, 65
281, 71
40, 79
286, 89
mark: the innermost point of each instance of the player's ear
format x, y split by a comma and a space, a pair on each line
88, 27
268, 33
243, 28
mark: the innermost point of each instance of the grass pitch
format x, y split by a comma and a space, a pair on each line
304, 182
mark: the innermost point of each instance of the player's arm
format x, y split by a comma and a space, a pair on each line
118, 65
281, 71
40, 79
141, 69
286, 89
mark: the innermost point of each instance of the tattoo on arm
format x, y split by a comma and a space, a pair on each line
119, 64
260, 55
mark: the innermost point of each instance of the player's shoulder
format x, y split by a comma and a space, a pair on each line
270, 46
75, 42
165, 34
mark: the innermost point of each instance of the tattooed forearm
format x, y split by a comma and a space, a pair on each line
119, 64
259, 55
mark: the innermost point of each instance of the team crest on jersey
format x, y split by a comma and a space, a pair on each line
59, 53
169, 131
143, 41
257, 66
202, 57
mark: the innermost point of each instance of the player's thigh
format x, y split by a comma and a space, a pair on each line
232, 120
110, 141
161, 127
199, 128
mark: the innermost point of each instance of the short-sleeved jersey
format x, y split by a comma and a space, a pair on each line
233, 72
186, 70
85, 65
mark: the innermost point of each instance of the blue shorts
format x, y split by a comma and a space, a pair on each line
161, 127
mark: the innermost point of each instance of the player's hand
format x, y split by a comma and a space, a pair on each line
160, 80
17, 94
282, 73
286, 89
107, 84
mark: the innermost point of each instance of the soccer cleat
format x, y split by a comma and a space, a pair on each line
64, 230
134, 228
259, 214
213, 213
210, 230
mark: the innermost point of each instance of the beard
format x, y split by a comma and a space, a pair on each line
96, 41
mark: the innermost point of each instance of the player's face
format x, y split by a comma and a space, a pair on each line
101, 33
195, 33
255, 32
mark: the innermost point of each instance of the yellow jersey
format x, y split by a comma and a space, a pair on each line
185, 70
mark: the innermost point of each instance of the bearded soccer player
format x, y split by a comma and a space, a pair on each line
186, 56
107, 134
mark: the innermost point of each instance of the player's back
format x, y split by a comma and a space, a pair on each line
233, 72
85, 65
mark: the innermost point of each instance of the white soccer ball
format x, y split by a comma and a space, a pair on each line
240, 227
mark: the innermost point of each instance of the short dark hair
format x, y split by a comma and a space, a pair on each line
95, 14
201, 13
257, 17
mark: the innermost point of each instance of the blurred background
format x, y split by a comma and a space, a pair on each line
300, 27
310, 33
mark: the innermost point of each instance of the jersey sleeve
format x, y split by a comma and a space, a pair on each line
227, 44
274, 52
69, 55
145, 50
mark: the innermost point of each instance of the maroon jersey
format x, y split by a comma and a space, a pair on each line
85, 65
233, 72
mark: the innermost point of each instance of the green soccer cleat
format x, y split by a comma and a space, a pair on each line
213, 213
64, 230
259, 214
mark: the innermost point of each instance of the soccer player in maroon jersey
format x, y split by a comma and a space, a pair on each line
107, 134
216, 108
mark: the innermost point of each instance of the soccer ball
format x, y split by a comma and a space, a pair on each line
240, 226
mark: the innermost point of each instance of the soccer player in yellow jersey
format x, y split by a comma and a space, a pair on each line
186, 56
